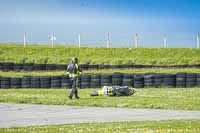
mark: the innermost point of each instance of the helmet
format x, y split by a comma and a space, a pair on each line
131, 91
74, 60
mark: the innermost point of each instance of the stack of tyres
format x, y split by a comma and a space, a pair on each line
149, 80
127, 80
15, 82
198, 79
126, 66
50, 66
1, 66
100, 66
106, 80
26, 82
42, 67
117, 79
17, 67
56, 82
180, 80
39, 67
190, 80
114, 66
169, 81
84, 66
28, 67
35, 82
158, 80
93, 66
106, 66
61, 67
95, 81
66, 82
5, 82
45, 82
138, 81
85, 81
7, 66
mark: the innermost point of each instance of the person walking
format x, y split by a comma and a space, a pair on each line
74, 71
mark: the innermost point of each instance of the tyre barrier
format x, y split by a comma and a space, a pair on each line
169, 81
5, 82
35, 82
66, 82
198, 79
95, 81
181, 80
138, 81
147, 80
49, 67
190, 80
26, 82
117, 79
158, 80
45, 82
85, 81
106, 80
15, 82
56, 82
128, 79
17, 67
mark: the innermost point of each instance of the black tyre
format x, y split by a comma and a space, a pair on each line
35, 82
15, 82
26, 82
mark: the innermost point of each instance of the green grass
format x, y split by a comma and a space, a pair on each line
178, 99
170, 126
63, 55
101, 71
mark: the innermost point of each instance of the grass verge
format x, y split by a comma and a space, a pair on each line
170, 126
177, 99
63, 55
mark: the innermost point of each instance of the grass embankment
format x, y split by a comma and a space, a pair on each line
170, 126
178, 99
103, 71
62, 54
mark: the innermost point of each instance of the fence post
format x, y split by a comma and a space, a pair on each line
136, 40
165, 41
198, 40
24, 39
108, 40
79, 40
53, 38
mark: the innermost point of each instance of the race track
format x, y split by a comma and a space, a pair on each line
18, 115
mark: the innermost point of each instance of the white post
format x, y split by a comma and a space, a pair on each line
79, 40
165, 41
136, 40
198, 40
24, 39
108, 40
52, 40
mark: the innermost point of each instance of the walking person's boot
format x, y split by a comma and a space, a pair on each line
70, 96
76, 94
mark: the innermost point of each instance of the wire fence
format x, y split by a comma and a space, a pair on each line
127, 40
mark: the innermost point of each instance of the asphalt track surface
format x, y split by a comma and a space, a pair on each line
20, 115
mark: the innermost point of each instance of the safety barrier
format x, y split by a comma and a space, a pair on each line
49, 67
147, 80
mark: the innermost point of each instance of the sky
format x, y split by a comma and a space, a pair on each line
93, 19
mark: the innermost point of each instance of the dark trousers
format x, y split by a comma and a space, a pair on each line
74, 90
